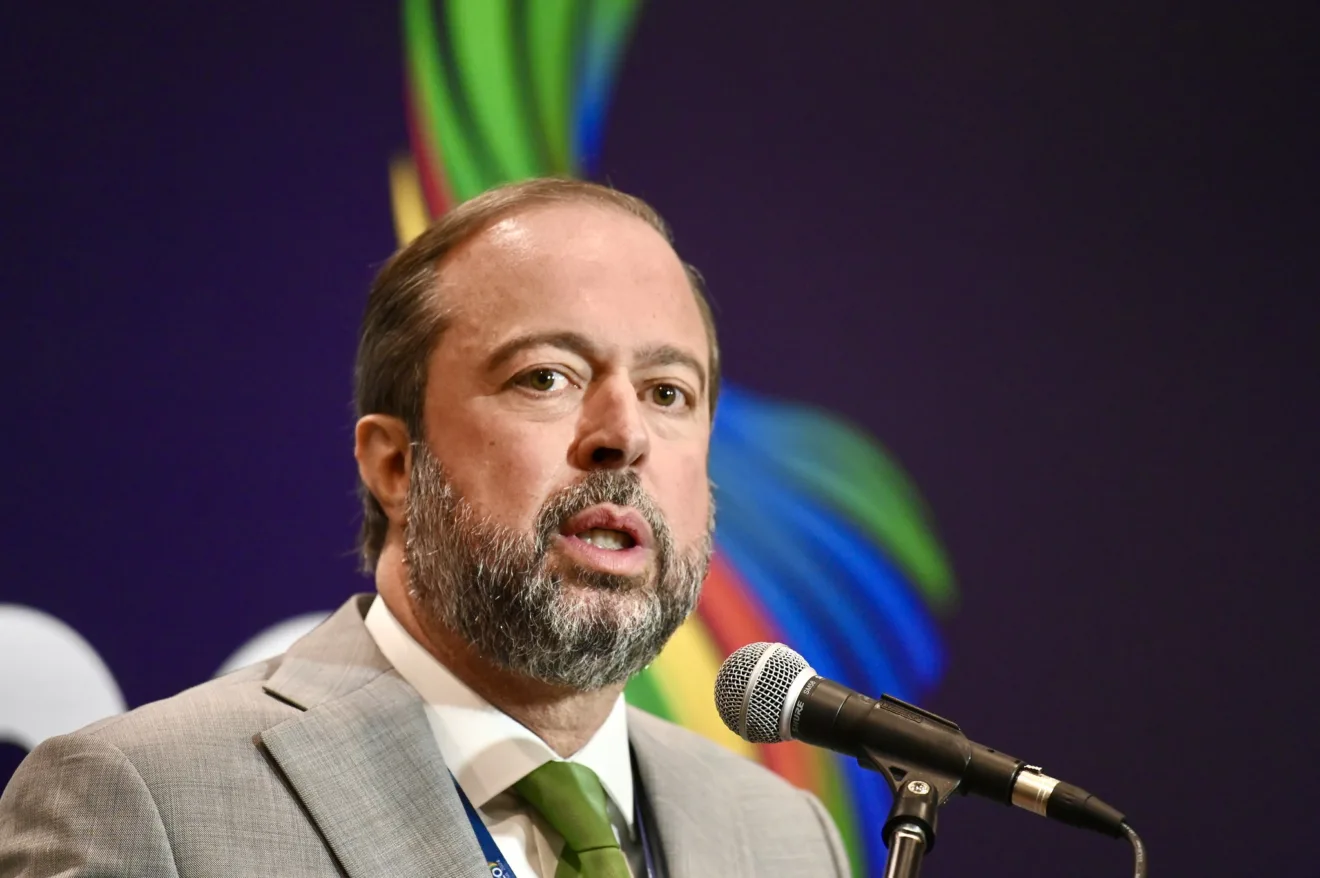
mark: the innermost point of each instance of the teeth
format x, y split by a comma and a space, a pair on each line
606, 539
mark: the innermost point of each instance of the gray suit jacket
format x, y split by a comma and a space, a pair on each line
321, 762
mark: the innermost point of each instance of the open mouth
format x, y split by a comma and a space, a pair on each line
605, 538
613, 539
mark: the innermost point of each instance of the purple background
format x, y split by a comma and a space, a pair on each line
1061, 261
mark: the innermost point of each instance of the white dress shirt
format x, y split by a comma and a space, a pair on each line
488, 751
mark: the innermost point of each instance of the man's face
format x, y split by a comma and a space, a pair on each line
567, 407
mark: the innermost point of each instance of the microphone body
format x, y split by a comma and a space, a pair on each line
830, 715
767, 693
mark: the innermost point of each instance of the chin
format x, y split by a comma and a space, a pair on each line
620, 599
581, 578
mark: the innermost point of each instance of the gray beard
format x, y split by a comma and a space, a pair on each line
499, 590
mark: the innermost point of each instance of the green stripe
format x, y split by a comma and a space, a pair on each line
613, 20
549, 34
603, 33
642, 693
436, 108
864, 484
878, 505
482, 40
834, 795
525, 89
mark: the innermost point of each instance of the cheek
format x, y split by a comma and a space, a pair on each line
685, 499
504, 472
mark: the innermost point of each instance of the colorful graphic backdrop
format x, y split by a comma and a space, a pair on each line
1058, 258
822, 542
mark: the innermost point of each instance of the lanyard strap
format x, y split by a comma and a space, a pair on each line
499, 867
489, 849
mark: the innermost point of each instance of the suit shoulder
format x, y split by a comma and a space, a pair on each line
780, 822
232, 708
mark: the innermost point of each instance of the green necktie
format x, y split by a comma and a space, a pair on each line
570, 798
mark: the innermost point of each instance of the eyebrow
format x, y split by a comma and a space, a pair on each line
668, 355
569, 341
647, 357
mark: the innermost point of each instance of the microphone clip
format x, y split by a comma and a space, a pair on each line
918, 793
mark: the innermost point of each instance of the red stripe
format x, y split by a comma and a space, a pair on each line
730, 611
734, 617
426, 156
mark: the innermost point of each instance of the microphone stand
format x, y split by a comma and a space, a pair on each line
918, 793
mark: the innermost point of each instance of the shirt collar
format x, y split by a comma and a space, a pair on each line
487, 750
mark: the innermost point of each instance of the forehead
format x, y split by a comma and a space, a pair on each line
577, 267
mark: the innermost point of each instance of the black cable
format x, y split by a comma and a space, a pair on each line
1138, 850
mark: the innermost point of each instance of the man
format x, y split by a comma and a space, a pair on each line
536, 379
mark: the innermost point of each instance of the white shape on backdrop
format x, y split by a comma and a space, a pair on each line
52, 681
271, 642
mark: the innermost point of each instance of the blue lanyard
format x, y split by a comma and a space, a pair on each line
489, 849
499, 867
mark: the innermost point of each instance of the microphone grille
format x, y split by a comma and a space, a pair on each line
753, 687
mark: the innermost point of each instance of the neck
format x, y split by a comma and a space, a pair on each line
563, 717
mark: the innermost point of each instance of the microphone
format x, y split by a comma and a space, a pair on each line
766, 693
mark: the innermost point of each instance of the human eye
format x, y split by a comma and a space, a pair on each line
669, 396
542, 380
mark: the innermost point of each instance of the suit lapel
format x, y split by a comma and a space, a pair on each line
698, 823
363, 760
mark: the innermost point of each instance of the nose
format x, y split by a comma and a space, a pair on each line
612, 432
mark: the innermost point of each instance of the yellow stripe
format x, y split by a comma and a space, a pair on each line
410, 216
684, 673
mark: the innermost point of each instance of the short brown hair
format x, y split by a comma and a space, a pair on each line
404, 321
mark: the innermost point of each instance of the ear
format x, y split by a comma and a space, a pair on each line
384, 456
